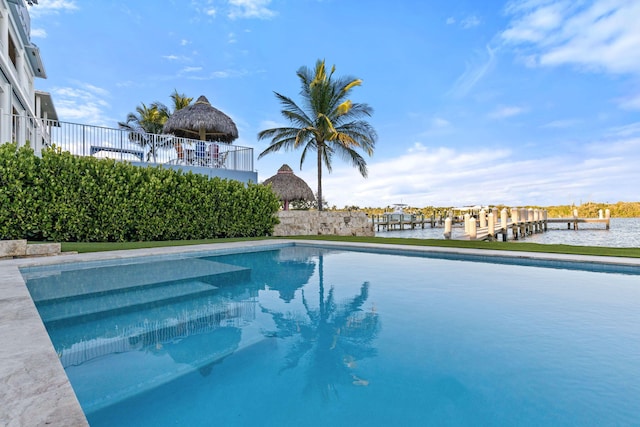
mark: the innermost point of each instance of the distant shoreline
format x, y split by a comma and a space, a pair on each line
585, 210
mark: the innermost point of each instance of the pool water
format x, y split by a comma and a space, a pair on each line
310, 336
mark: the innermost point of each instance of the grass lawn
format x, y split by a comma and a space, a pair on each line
504, 246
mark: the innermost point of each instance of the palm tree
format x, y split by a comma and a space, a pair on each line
146, 123
143, 125
180, 101
329, 123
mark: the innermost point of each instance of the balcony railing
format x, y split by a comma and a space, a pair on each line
119, 144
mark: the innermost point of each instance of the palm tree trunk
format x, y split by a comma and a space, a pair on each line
319, 194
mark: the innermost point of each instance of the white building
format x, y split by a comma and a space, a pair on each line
28, 115
25, 113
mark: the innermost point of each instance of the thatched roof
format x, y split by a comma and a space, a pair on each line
201, 121
288, 186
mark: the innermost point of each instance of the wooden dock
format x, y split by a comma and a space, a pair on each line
575, 221
515, 224
521, 223
389, 222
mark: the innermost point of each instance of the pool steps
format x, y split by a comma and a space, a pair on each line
107, 279
160, 313
109, 292
156, 372
99, 305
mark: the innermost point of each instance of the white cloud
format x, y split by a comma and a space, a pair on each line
473, 73
533, 22
439, 123
625, 131
95, 90
84, 103
466, 23
505, 112
52, 7
443, 176
210, 12
562, 124
224, 74
250, 9
631, 103
191, 69
40, 33
271, 124
171, 57
596, 35
470, 22
184, 42
125, 83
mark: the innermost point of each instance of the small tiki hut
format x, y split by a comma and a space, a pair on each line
202, 121
289, 187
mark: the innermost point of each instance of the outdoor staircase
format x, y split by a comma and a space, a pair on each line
21, 249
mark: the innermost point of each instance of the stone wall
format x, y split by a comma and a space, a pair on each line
312, 223
20, 249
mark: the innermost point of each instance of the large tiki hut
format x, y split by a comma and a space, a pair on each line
202, 121
289, 187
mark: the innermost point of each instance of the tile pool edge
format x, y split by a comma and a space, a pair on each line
34, 389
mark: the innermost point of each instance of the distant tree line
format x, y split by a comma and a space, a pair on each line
585, 210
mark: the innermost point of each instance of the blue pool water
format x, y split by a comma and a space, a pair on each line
309, 336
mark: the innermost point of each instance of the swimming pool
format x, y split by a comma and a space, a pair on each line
316, 336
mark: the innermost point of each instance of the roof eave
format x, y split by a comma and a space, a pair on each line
33, 53
46, 105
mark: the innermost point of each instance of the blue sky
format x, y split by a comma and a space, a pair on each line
524, 102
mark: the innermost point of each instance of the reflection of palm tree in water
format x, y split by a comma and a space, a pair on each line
335, 336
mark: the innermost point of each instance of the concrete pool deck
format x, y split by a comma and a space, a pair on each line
34, 389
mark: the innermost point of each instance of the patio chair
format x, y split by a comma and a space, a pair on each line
221, 159
201, 153
180, 152
215, 157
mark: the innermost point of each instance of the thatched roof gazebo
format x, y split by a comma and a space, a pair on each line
289, 187
202, 121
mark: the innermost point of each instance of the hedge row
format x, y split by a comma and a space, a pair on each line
62, 197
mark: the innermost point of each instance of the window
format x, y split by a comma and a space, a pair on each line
13, 54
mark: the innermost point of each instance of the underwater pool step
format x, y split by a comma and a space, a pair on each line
106, 381
134, 330
155, 321
107, 279
104, 304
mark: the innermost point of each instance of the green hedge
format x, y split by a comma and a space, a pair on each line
67, 198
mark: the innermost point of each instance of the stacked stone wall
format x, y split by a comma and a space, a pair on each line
313, 223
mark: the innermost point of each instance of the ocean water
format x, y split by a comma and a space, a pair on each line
622, 233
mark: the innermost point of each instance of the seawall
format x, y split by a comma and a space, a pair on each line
313, 223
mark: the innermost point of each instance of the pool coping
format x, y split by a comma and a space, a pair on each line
34, 389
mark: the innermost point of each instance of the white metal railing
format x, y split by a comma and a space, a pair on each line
119, 144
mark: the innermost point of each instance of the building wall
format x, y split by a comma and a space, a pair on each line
17, 76
314, 223
242, 176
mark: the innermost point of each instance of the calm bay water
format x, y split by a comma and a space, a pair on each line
624, 232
